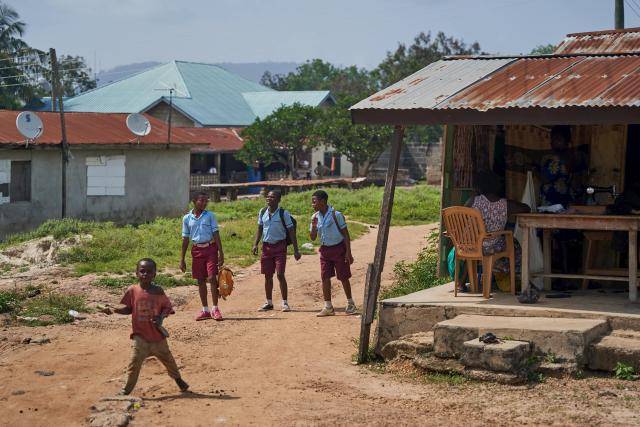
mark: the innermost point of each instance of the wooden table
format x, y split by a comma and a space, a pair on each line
549, 222
284, 184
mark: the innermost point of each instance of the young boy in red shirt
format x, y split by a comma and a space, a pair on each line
148, 306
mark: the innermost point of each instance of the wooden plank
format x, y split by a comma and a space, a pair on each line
580, 221
581, 276
373, 286
633, 266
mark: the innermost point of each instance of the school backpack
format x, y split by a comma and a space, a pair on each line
286, 232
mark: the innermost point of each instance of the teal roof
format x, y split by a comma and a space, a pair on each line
206, 93
266, 102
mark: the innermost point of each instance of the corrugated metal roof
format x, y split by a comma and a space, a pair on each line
206, 93
111, 129
554, 82
614, 41
432, 85
264, 103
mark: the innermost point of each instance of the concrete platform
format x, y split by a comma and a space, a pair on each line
506, 356
421, 311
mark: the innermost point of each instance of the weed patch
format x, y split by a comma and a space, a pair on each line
622, 371
44, 308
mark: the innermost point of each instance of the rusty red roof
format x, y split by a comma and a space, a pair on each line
111, 129
217, 139
612, 41
553, 82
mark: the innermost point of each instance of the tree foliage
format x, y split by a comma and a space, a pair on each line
76, 75
362, 145
281, 136
346, 84
543, 49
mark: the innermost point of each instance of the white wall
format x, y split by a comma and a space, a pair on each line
317, 155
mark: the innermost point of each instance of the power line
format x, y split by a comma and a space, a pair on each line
631, 6
19, 57
22, 65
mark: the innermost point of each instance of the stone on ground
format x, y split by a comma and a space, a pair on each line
505, 356
433, 364
620, 346
408, 346
566, 338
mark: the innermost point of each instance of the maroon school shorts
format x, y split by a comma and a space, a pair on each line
204, 262
332, 262
273, 258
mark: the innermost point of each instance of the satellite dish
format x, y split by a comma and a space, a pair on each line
29, 125
138, 124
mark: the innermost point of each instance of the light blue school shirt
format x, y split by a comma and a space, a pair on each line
327, 229
201, 229
273, 231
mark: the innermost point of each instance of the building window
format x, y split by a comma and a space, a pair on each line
15, 181
105, 175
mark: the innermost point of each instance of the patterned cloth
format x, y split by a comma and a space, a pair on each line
556, 182
494, 215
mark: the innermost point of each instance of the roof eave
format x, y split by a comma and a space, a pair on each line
504, 116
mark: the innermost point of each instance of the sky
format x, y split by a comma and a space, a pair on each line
345, 32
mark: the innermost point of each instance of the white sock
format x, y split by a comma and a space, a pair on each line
270, 301
205, 309
327, 304
351, 301
214, 307
284, 302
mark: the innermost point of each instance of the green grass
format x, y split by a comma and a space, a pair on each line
27, 303
116, 249
163, 280
416, 276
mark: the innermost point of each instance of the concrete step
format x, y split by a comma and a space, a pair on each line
566, 339
408, 346
505, 356
619, 346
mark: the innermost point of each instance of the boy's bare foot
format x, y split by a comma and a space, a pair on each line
183, 385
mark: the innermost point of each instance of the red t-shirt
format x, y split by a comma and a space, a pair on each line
145, 304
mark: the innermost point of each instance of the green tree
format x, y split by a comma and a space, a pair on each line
11, 29
76, 75
543, 49
282, 136
344, 83
361, 144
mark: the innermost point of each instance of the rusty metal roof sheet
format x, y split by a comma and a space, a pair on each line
553, 82
432, 84
614, 41
111, 129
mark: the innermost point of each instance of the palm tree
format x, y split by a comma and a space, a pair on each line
11, 29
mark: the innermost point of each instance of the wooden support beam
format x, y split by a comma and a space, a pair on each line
374, 271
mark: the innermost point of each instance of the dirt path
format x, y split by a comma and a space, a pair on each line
253, 368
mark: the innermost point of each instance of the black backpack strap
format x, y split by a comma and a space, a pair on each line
281, 211
335, 220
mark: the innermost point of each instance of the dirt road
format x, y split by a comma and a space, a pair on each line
253, 368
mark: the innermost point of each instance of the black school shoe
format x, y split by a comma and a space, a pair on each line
266, 307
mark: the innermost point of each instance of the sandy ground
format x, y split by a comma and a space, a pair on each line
276, 368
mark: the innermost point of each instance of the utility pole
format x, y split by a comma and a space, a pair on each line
619, 14
170, 114
64, 145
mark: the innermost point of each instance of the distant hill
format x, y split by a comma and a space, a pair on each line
250, 70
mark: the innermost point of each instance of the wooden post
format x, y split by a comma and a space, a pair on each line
546, 254
64, 146
374, 271
446, 185
633, 265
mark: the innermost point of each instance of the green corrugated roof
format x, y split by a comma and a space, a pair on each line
208, 94
266, 102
